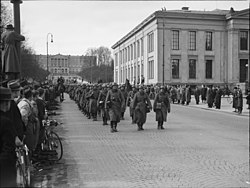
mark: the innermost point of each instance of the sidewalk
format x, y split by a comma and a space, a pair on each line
225, 107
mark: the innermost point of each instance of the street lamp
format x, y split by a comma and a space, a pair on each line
51, 36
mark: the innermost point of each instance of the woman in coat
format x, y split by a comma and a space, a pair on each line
161, 107
141, 104
239, 101
114, 102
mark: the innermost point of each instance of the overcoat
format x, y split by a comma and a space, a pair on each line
163, 99
101, 104
114, 101
10, 59
139, 105
93, 101
129, 102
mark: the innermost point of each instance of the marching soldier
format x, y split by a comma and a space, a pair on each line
161, 107
101, 104
115, 102
125, 95
141, 105
93, 102
129, 102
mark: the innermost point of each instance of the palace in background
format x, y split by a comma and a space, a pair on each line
186, 47
66, 66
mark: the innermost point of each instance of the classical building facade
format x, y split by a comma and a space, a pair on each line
66, 66
186, 47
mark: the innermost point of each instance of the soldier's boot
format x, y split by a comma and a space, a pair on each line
159, 125
139, 127
142, 126
112, 127
104, 121
115, 126
162, 125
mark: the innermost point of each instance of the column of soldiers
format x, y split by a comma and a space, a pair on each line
110, 102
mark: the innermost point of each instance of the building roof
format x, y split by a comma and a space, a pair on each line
221, 14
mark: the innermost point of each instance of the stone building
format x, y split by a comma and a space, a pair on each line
66, 66
186, 47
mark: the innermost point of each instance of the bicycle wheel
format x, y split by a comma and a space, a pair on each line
56, 145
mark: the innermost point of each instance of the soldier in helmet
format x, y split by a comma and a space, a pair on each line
114, 102
101, 104
161, 107
129, 102
141, 105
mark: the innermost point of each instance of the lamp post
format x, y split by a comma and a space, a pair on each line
51, 36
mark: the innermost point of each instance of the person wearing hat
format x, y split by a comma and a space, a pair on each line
9, 140
141, 105
14, 112
161, 107
10, 59
114, 103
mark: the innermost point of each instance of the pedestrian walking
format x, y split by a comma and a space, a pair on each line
203, 94
141, 105
188, 95
10, 59
217, 101
161, 107
239, 100
114, 103
197, 95
210, 99
235, 99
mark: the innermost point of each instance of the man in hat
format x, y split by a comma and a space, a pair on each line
8, 140
14, 112
10, 58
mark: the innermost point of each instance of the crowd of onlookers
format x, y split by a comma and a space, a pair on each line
23, 107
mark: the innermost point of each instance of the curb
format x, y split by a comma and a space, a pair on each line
244, 114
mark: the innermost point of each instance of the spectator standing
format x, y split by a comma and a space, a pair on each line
10, 59
218, 95
197, 95
8, 141
239, 100
203, 94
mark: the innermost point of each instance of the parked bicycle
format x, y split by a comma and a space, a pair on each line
23, 166
51, 146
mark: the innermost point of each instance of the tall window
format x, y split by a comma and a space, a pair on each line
175, 68
138, 48
132, 75
131, 51
209, 38
175, 40
116, 59
134, 50
150, 42
192, 40
209, 69
138, 70
243, 70
142, 68
151, 69
120, 57
192, 68
128, 73
243, 40
142, 47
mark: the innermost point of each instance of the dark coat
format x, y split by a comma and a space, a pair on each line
161, 114
10, 59
139, 106
197, 95
217, 101
114, 102
7, 152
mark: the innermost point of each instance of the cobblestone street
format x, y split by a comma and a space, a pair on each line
198, 148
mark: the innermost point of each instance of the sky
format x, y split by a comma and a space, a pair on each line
79, 25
